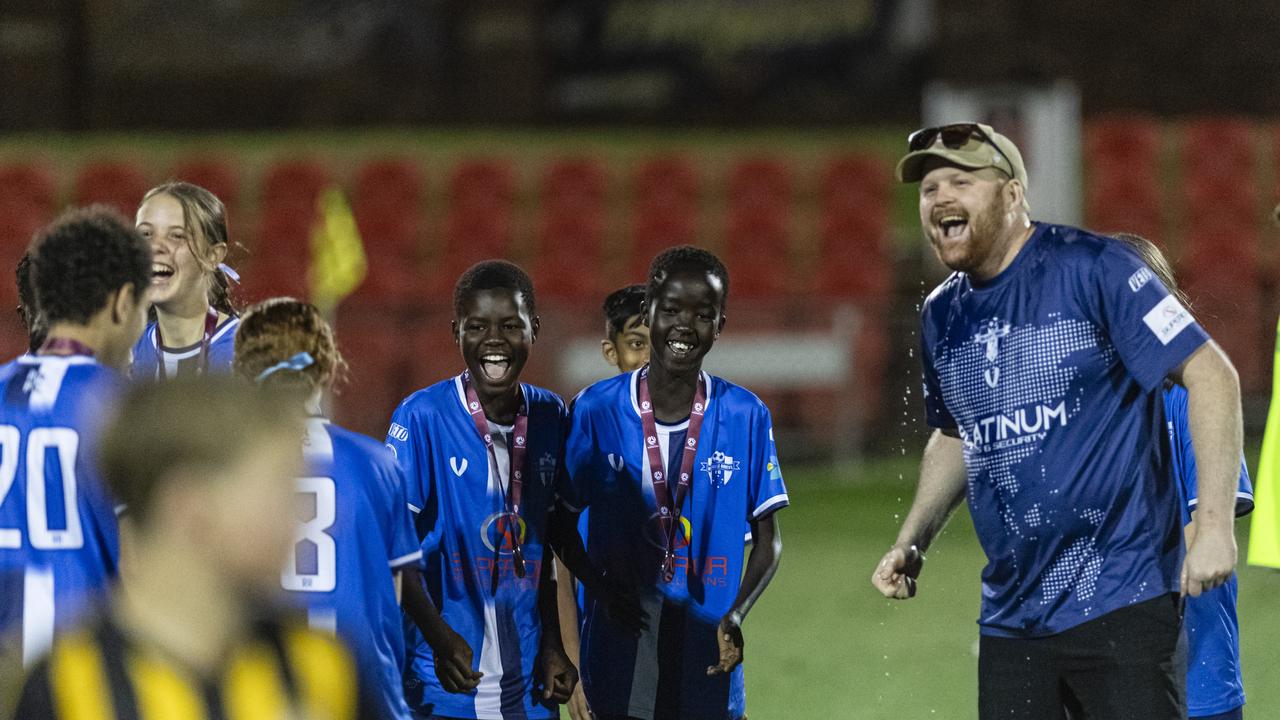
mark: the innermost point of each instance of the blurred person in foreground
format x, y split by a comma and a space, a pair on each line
1215, 686
357, 543
207, 468
1045, 356
59, 546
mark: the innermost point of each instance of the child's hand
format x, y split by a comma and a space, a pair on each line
453, 657
729, 638
559, 676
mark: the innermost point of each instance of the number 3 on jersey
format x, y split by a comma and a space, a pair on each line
313, 566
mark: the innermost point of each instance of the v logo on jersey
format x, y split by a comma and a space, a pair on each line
992, 376
616, 462
458, 469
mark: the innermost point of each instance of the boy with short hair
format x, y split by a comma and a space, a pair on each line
626, 336
59, 549
671, 462
481, 453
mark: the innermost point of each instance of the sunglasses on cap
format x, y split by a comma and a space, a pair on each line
954, 137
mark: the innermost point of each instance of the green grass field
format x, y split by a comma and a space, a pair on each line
822, 643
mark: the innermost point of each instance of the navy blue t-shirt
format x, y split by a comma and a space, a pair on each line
1052, 373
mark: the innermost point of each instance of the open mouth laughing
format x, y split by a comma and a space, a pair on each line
494, 366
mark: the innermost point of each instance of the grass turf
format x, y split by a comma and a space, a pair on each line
822, 643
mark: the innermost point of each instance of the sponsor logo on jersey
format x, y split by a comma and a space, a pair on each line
655, 531
458, 469
1026, 424
1167, 319
399, 432
616, 462
990, 337
1140, 278
495, 535
720, 468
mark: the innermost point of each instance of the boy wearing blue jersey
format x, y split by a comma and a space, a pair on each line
193, 328
671, 463
626, 347
481, 453
59, 542
357, 539
1215, 687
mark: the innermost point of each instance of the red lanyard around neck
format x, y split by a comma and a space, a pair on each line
210, 326
519, 444
668, 509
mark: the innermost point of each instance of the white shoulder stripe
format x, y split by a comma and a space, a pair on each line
772, 503
406, 559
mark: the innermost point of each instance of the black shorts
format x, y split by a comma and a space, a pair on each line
1130, 664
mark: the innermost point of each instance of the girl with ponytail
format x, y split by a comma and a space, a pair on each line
193, 321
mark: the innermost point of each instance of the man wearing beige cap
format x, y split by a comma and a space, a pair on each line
1045, 353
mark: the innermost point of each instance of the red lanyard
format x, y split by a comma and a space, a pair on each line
210, 326
64, 346
668, 509
519, 442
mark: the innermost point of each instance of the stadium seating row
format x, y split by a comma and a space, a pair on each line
575, 223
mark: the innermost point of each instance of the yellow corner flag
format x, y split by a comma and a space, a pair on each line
338, 263
1264, 532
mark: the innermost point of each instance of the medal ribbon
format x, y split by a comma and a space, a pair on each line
519, 443
210, 326
670, 509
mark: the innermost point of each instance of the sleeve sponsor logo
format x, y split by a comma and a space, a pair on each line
399, 432
1167, 319
1140, 278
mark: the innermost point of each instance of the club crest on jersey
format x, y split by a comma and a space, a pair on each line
720, 468
990, 337
495, 534
458, 469
547, 469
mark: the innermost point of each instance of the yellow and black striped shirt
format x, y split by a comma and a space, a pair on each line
285, 672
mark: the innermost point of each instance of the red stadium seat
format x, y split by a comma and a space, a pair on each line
1119, 140
294, 183
853, 257
653, 233
574, 185
117, 184
290, 190
1220, 272
481, 184
757, 253
666, 184
855, 184
28, 183
376, 349
570, 258
387, 202
216, 176
1224, 148
760, 182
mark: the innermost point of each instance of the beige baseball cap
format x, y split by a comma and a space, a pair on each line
968, 145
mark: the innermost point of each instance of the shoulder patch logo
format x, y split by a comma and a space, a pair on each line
458, 469
399, 432
1167, 319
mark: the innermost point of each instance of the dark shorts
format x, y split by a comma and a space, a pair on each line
1130, 664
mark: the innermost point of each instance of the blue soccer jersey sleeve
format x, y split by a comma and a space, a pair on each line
1184, 457
766, 492
408, 440
936, 412
1150, 329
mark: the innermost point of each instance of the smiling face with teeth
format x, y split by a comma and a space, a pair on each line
973, 218
179, 277
495, 331
685, 316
